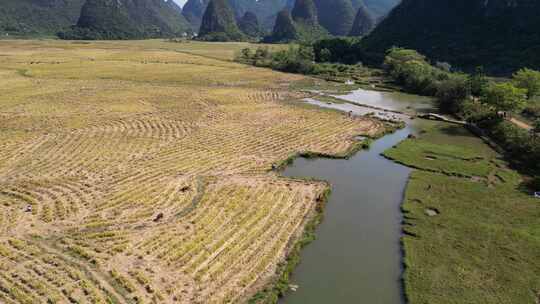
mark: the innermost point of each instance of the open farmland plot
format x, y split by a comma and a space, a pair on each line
130, 173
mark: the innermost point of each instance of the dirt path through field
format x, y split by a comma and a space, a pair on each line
520, 123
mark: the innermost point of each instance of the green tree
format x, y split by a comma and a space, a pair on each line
506, 97
246, 53
529, 80
453, 92
478, 82
262, 53
305, 52
325, 55
396, 57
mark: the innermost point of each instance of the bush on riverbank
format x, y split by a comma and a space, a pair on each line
473, 98
299, 60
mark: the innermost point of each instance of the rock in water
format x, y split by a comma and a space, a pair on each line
363, 23
219, 23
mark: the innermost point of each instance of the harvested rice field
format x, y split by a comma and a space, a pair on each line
140, 172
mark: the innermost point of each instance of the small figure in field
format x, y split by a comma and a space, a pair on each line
29, 208
159, 217
350, 113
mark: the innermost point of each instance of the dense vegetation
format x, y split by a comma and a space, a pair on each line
342, 50
135, 19
501, 35
299, 59
476, 99
37, 17
219, 23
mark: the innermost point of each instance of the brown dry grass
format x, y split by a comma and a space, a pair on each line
102, 138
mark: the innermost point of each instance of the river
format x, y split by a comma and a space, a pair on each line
357, 256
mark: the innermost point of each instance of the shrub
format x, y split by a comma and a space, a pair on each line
452, 93
396, 57
529, 80
478, 82
505, 97
411, 70
337, 50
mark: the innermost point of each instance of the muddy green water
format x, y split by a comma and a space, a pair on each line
357, 256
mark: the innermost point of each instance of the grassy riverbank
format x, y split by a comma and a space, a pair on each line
471, 235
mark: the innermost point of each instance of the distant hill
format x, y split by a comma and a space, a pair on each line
38, 17
161, 18
364, 22
193, 11
306, 21
266, 10
249, 25
128, 19
501, 35
336, 16
378, 8
284, 30
305, 11
219, 23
